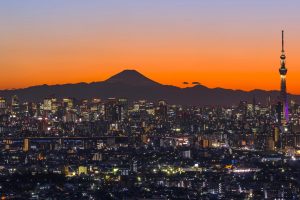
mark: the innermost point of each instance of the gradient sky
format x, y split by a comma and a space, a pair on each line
219, 43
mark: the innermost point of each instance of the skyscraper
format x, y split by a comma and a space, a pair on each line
26, 145
283, 72
15, 104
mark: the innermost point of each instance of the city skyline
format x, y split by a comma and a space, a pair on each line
172, 43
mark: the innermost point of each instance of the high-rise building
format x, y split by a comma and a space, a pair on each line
15, 100
95, 105
50, 105
111, 111
68, 103
123, 108
47, 104
283, 94
2, 102
2, 105
26, 146
116, 109
15, 104
162, 110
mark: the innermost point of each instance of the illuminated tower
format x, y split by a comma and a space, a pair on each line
283, 71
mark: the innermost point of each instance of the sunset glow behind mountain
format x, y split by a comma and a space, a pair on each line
230, 44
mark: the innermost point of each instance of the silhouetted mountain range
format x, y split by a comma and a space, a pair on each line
134, 86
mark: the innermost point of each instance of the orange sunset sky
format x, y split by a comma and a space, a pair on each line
230, 44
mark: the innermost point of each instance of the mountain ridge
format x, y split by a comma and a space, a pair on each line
133, 85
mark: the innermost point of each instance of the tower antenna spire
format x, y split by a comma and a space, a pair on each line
282, 40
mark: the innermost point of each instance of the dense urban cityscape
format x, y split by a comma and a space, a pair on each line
113, 149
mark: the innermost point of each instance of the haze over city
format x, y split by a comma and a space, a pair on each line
229, 44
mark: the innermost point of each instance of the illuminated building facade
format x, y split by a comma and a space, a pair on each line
26, 146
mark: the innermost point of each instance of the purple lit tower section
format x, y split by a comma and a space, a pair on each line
283, 72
